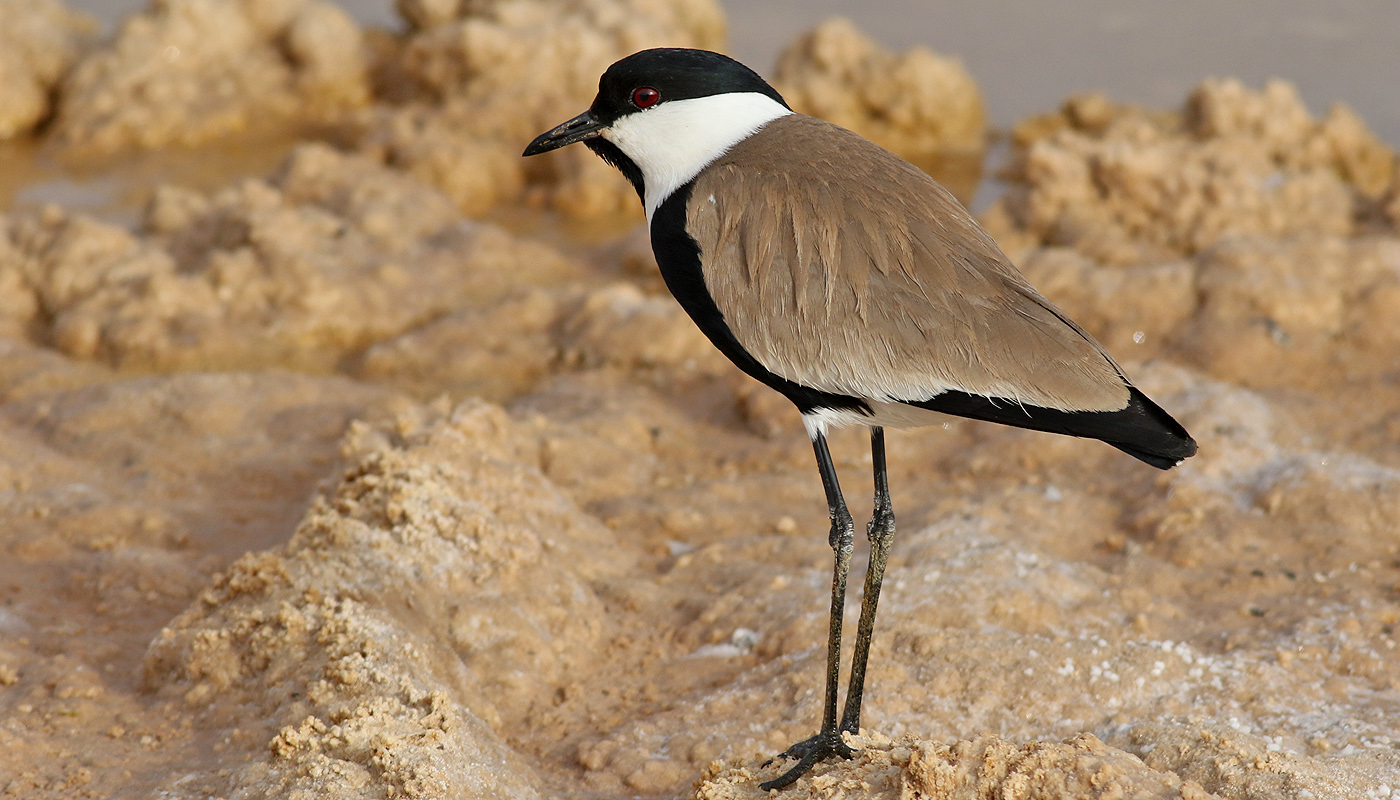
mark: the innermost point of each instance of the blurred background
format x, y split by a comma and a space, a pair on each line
1028, 55
241, 225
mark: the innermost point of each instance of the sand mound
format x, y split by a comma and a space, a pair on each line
121, 498
452, 100
332, 642
326, 258
919, 104
503, 350
488, 606
39, 41
187, 71
485, 78
1127, 185
1298, 312
1240, 235
987, 766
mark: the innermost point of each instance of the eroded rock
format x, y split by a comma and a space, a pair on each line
187, 71
918, 104
383, 645
490, 76
1126, 185
39, 42
328, 257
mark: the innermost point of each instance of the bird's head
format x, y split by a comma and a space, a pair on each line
662, 115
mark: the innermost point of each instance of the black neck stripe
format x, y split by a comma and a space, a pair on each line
678, 255
612, 154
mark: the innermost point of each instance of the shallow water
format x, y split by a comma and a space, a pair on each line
116, 190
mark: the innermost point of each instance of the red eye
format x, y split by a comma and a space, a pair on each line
645, 97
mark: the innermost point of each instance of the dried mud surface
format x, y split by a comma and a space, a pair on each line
322, 484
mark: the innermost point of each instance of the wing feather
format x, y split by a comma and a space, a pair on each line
852, 272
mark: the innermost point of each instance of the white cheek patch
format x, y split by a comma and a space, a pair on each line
671, 142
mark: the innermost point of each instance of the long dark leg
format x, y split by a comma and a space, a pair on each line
881, 532
827, 742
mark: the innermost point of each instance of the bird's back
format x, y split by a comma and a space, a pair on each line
842, 267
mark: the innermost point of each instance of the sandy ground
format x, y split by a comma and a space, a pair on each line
394, 472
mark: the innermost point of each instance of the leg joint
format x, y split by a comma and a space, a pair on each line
881, 526
843, 531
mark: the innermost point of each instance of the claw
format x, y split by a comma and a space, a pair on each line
808, 753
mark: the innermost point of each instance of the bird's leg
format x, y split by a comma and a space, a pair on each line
881, 532
827, 742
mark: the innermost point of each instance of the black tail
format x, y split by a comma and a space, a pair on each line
1142, 429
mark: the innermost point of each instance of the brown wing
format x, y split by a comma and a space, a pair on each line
852, 272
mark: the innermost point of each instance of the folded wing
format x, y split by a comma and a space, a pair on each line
855, 273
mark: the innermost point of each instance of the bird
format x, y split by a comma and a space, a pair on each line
854, 284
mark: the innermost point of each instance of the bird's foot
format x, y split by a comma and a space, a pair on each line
807, 753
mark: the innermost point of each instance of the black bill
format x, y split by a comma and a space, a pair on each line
584, 126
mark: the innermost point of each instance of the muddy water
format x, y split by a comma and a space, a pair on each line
32, 178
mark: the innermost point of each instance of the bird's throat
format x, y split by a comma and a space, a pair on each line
670, 144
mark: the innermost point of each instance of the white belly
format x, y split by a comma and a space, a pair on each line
883, 414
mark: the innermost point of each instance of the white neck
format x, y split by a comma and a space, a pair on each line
672, 142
